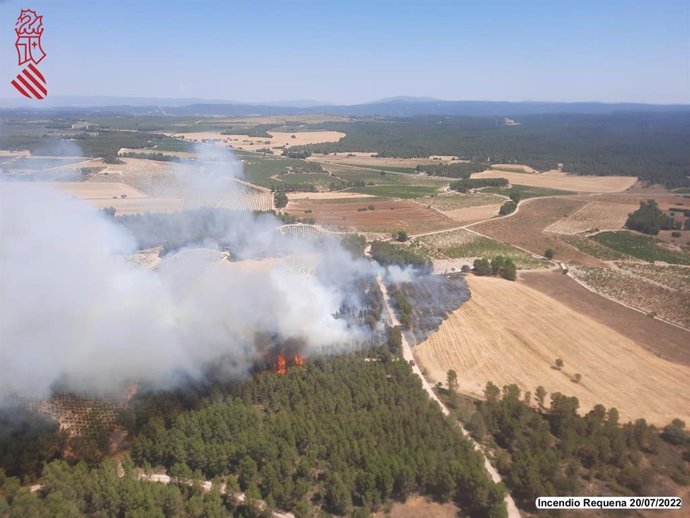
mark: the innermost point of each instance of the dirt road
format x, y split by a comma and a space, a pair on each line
407, 355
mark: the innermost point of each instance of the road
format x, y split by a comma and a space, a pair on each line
513, 511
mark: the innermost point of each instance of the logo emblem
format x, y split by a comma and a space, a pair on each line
30, 82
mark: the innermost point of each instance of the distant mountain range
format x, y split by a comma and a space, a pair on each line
389, 107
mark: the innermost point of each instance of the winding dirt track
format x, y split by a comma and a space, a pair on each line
513, 511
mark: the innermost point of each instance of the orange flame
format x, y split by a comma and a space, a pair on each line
280, 366
298, 360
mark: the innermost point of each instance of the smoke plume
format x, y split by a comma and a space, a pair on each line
75, 312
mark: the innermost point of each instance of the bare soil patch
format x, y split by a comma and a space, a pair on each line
418, 506
510, 333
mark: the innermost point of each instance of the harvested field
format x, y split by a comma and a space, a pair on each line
454, 200
277, 139
491, 338
526, 228
474, 214
386, 216
643, 294
139, 205
626, 321
593, 217
514, 168
98, 190
564, 181
463, 244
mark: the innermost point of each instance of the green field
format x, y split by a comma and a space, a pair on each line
396, 191
526, 191
455, 200
460, 244
641, 247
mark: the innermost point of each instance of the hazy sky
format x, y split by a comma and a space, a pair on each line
357, 51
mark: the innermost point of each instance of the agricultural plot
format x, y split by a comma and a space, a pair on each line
641, 246
525, 191
652, 298
463, 244
241, 199
372, 216
676, 277
564, 181
455, 200
395, 191
302, 231
510, 333
593, 217
526, 228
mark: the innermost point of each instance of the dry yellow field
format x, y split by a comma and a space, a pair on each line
277, 140
564, 181
139, 205
516, 168
510, 333
98, 190
470, 214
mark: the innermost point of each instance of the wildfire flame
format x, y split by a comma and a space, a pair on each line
280, 366
281, 363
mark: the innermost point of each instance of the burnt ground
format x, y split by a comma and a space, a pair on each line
432, 298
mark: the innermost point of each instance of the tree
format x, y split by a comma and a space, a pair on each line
541, 396
649, 219
400, 235
509, 270
452, 380
338, 495
482, 266
507, 208
577, 378
559, 363
395, 339
491, 392
515, 196
280, 199
549, 253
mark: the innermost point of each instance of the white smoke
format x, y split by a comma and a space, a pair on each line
74, 312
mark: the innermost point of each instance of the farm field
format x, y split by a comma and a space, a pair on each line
640, 246
328, 196
396, 191
277, 139
594, 216
626, 321
564, 181
386, 216
463, 244
648, 296
375, 178
98, 190
526, 228
474, 214
454, 200
369, 159
672, 276
490, 338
